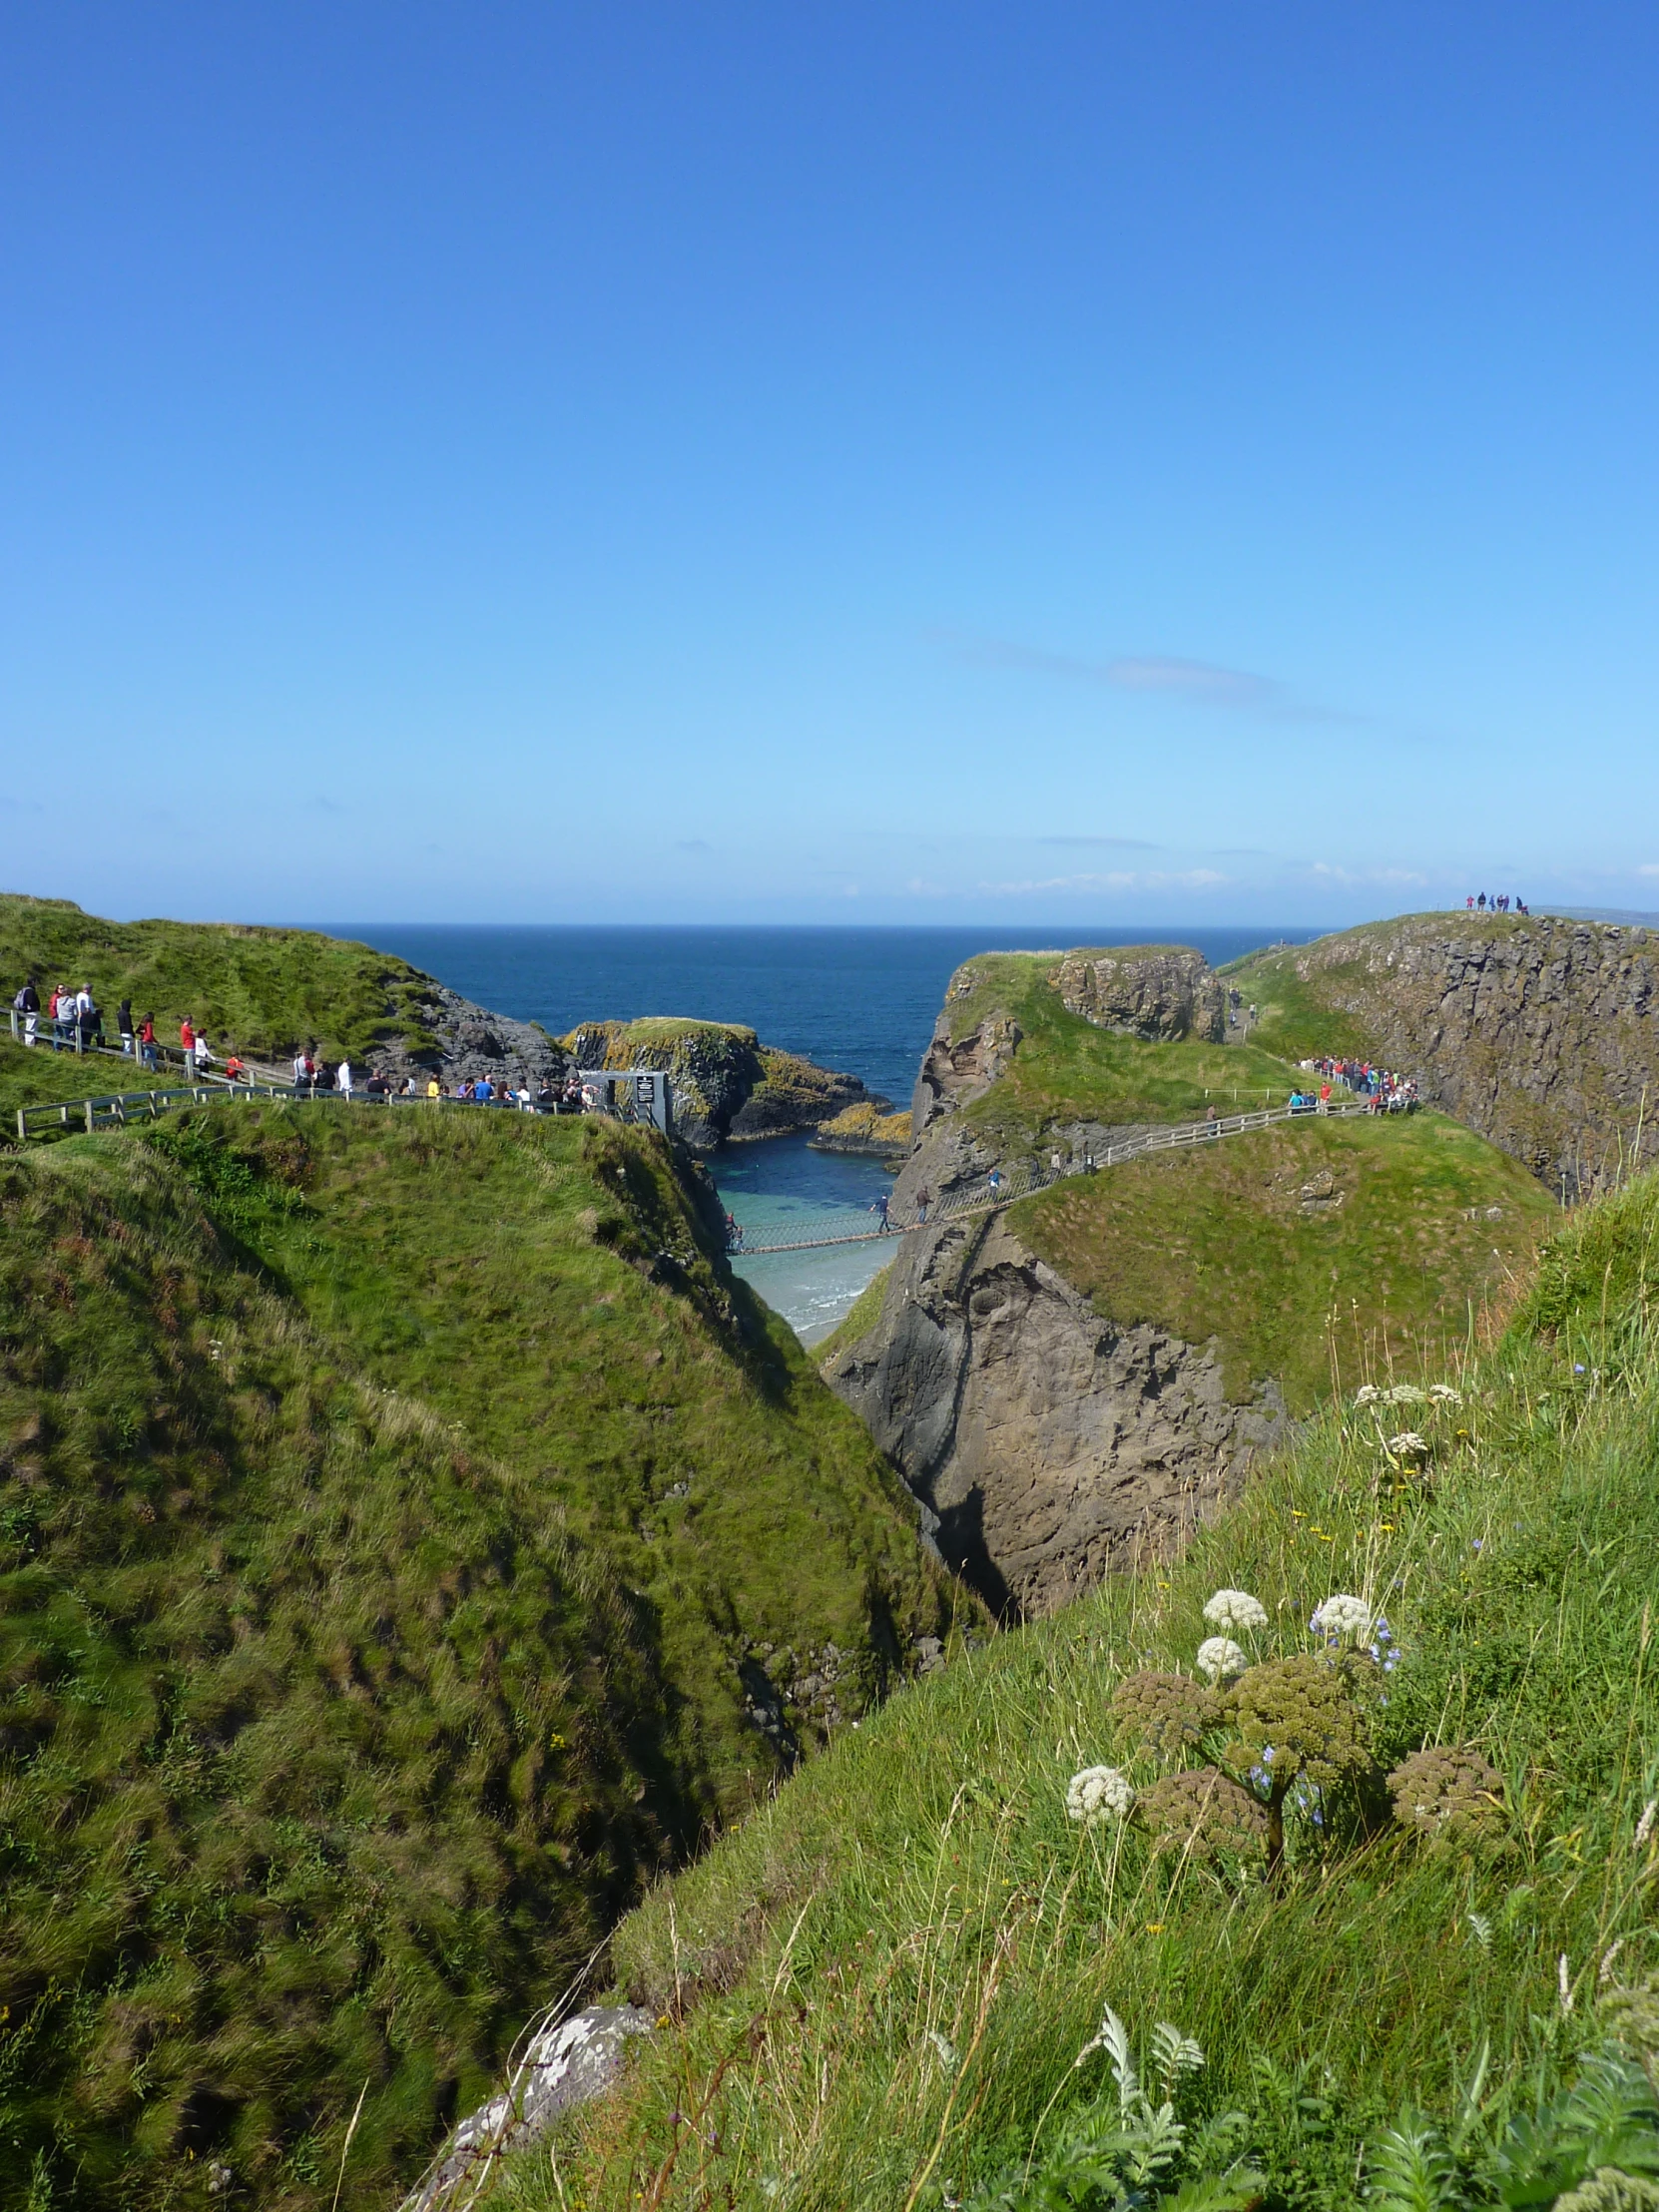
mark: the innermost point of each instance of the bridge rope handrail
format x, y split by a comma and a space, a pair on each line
1025, 1183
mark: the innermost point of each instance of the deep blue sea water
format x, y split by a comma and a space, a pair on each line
859, 1000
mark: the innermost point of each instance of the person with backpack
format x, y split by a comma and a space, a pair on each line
27, 1003
124, 1025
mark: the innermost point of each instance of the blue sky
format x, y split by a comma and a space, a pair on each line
1054, 463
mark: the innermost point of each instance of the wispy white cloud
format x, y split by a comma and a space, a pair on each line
1115, 880
1201, 683
1332, 872
1120, 844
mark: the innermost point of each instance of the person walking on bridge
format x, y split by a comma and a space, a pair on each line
879, 1210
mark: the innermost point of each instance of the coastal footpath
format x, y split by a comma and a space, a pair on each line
265, 993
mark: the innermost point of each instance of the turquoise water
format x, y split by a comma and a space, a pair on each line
782, 1187
863, 1000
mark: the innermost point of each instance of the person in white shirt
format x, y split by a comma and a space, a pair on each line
345, 1079
302, 1074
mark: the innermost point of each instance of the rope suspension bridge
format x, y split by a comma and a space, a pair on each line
984, 1198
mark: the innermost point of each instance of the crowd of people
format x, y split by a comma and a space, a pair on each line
1482, 902
315, 1078
71, 1020
1385, 1090
74, 1022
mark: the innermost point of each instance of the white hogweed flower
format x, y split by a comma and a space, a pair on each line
1220, 1659
1366, 1395
1407, 1445
1099, 1794
1405, 1394
1442, 1393
1342, 1618
1236, 1610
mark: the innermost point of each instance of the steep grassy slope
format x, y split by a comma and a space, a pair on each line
1065, 1069
323, 1746
545, 1286
889, 1988
263, 990
1319, 1252
361, 1652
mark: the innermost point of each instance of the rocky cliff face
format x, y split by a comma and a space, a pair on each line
726, 1084
1048, 1446
1543, 1034
1159, 992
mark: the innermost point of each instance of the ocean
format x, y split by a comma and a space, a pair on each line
859, 1000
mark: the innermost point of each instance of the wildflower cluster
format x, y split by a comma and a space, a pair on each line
1449, 1795
1099, 1794
1235, 1610
1218, 1659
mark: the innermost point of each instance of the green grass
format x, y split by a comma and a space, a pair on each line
544, 1285
359, 1662
35, 1075
1065, 1069
876, 1994
858, 1319
256, 990
1378, 1278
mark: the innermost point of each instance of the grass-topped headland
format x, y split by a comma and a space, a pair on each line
260, 990
1065, 1068
1321, 1251
411, 1538
916, 1978
1539, 1031
727, 1084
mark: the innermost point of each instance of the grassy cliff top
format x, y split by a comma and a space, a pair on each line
388, 1505
1324, 1253
889, 1988
657, 1032
260, 990
1065, 1069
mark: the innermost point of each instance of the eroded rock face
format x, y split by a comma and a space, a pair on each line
1162, 994
563, 2066
1543, 1034
952, 1074
1047, 1446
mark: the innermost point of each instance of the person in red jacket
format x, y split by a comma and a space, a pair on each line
187, 1037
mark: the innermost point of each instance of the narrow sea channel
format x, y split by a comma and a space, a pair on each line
779, 1184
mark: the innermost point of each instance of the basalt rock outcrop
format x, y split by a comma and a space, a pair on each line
1541, 1033
728, 1086
1157, 992
1046, 1446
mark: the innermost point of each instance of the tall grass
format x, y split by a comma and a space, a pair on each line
875, 1993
